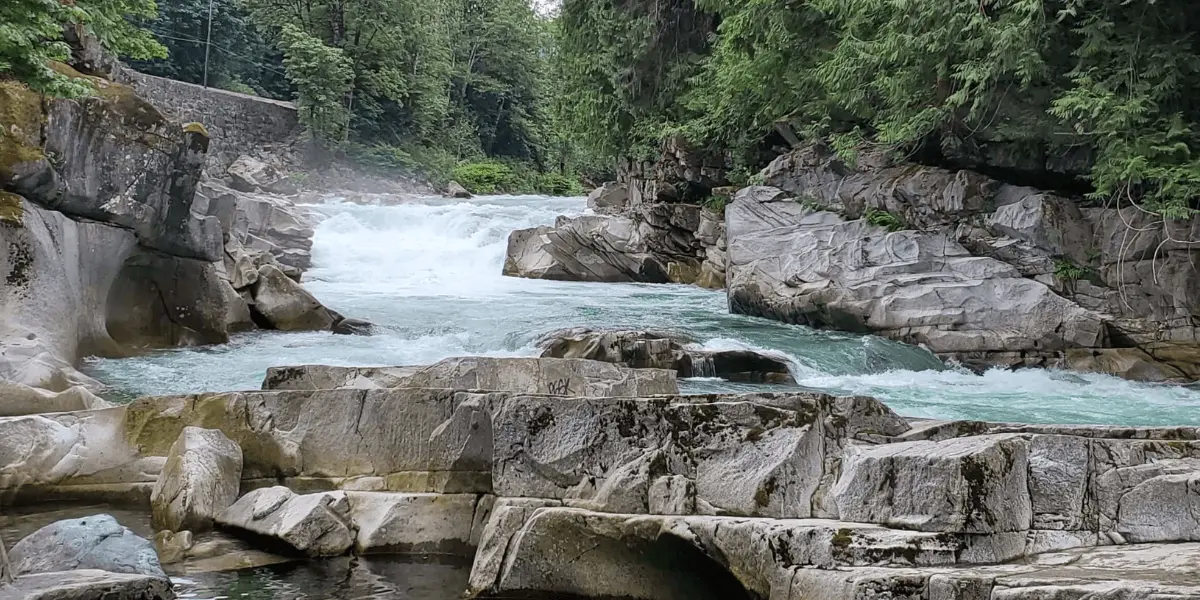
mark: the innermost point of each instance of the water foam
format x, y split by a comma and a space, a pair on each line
428, 273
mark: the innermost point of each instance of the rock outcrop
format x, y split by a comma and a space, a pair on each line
974, 269
96, 542
200, 479
249, 174
663, 350
652, 243
521, 375
105, 249
610, 198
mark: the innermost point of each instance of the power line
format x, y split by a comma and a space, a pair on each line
218, 47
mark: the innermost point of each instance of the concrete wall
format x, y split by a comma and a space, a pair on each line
238, 123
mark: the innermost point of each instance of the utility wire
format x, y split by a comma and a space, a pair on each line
221, 48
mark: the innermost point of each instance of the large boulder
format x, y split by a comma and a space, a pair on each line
260, 223
200, 479
446, 524
314, 524
96, 542
589, 248
799, 265
455, 189
610, 198
282, 304
560, 377
664, 350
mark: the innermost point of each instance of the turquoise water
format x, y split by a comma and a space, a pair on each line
427, 271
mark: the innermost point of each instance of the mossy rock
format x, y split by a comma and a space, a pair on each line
11, 211
22, 116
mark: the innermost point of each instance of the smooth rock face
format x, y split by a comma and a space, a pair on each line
285, 305
89, 584
589, 248
417, 523
200, 479
314, 524
798, 265
522, 375
96, 542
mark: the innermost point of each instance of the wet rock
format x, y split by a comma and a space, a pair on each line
89, 584
1129, 363
523, 375
455, 190
610, 198
314, 524
345, 326
96, 542
260, 223
200, 479
589, 248
664, 350
284, 305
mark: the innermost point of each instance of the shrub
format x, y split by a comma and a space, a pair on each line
486, 177
885, 219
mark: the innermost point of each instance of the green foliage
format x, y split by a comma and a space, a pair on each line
885, 219
1118, 78
486, 177
1067, 271
716, 203
322, 76
31, 37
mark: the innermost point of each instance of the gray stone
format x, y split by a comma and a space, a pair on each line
610, 198
414, 523
589, 248
88, 584
562, 377
96, 542
967, 485
664, 350
249, 174
286, 305
743, 458
455, 189
353, 327
200, 479
315, 524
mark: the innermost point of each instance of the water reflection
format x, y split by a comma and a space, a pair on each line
383, 578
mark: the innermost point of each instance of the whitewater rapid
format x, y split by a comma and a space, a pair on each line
427, 272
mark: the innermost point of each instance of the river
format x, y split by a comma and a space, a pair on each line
427, 271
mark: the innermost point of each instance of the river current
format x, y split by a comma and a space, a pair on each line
427, 272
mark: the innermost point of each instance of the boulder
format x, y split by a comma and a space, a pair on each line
313, 524
200, 479
798, 265
1129, 363
344, 326
89, 584
96, 542
260, 223
664, 350
249, 174
589, 248
282, 304
455, 190
17, 399
610, 198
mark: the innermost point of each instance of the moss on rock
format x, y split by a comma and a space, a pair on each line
11, 212
21, 118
